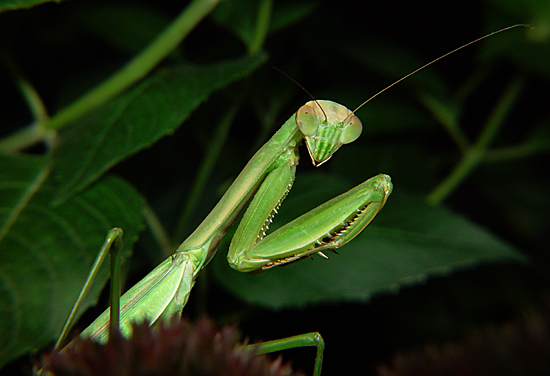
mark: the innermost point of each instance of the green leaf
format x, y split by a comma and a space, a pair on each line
408, 242
136, 119
22, 4
47, 251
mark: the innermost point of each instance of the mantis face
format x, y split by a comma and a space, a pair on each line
326, 126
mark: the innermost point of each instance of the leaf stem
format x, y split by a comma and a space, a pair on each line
23, 138
474, 154
262, 26
513, 152
139, 66
448, 117
29, 93
133, 71
157, 229
35, 131
212, 155
14, 213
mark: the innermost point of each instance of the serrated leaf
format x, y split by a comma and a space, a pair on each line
22, 4
47, 251
407, 243
136, 119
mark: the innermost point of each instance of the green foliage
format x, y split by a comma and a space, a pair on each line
39, 282
22, 4
465, 141
136, 119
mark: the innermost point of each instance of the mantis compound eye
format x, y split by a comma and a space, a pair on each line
306, 120
352, 130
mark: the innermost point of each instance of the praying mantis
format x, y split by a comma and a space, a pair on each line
324, 126
263, 184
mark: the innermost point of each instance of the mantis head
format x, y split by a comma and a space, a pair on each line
326, 126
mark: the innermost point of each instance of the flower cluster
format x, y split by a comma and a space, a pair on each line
175, 348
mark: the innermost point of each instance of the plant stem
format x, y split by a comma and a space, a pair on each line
35, 131
157, 230
23, 138
474, 154
512, 152
29, 93
133, 71
262, 26
448, 117
138, 67
212, 154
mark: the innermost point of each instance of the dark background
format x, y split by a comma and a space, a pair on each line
65, 48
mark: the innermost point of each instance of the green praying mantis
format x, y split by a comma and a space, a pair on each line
263, 184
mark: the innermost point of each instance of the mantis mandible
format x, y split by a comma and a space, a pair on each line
263, 184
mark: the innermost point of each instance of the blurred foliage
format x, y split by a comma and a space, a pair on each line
463, 240
517, 348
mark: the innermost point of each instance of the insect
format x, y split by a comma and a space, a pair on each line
324, 126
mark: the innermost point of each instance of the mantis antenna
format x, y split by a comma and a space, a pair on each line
304, 89
433, 61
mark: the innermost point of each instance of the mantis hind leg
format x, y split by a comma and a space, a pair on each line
113, 236
312, 339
